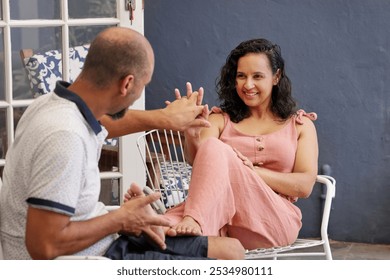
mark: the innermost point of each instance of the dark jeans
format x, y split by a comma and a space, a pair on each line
139, 248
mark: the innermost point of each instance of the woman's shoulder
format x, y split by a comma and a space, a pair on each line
218, 118
217, 113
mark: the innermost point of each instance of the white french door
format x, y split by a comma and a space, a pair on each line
43, 25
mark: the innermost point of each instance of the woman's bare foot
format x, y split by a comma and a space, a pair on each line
136, 191
187, 226
157, 205
132, 192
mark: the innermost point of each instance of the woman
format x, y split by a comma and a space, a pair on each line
256, 159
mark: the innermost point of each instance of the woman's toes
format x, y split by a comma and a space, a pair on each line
171, 232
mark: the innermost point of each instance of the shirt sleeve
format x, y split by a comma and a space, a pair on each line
57, 173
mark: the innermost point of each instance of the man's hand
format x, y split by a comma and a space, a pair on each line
194, 131
187, 111
141, 218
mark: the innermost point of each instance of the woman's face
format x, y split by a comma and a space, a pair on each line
254, 79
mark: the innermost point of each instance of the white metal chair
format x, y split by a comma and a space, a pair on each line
168, 172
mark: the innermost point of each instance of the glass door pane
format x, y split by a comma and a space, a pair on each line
38, 40
80, 35
18, 112
92, 8
35, 9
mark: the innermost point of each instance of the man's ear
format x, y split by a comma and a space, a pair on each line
126, 84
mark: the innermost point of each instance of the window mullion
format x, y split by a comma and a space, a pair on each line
65, 40
8, 69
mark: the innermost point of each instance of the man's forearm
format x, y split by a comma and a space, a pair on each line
49, 234
177, 115
136, 121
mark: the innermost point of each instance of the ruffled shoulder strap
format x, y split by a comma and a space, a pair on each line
215, 109
300, 113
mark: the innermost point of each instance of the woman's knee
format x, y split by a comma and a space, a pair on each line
214, 146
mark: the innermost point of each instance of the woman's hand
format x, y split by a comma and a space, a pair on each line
190, 104
194, 131
244, 159
199, 97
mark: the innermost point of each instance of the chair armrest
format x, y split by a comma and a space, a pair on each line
330, 184
110, 208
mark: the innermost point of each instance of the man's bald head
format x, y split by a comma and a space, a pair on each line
115, 53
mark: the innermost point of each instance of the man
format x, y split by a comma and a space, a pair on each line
49, 200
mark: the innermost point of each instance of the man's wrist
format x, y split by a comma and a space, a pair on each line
164, 119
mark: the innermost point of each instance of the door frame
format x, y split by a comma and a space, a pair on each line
130, 167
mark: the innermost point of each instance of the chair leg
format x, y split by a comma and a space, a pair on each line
328, 252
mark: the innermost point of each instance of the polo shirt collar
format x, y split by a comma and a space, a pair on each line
62, 91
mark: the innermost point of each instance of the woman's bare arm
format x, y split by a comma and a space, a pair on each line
300, 182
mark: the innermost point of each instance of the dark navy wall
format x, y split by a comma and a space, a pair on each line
338, 58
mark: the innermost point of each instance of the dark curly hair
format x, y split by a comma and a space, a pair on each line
282, 103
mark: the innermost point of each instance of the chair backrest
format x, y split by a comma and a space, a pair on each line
44, 69
167, 170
